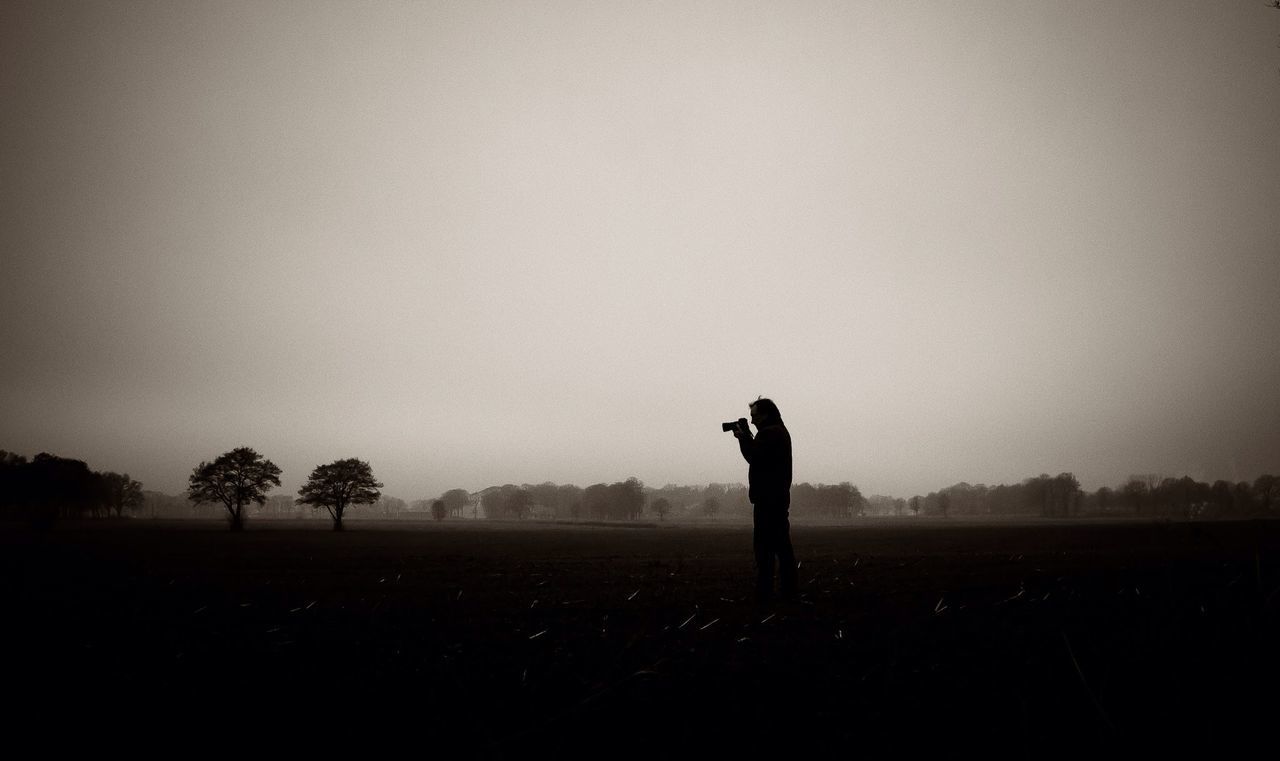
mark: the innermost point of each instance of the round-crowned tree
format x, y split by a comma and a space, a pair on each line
339, 485
235, 479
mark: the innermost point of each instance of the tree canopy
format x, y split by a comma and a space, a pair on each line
122, 493
235, 479
339, 485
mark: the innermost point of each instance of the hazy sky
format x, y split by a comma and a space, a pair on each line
481, 243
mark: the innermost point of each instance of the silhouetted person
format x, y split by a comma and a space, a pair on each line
769, 476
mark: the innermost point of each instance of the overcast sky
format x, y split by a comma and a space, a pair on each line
480, 243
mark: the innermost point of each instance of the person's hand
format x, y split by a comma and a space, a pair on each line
741, 431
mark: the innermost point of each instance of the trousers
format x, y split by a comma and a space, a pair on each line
771, 540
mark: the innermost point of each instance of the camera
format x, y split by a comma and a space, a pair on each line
739, 423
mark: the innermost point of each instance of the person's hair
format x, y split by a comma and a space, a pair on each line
768, 408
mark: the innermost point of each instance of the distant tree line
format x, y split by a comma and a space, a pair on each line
1146, 495
1044, 495
878, 504
700, 501
1150, 495
624, 500
632, 500
808, 500
48, 487
843, 500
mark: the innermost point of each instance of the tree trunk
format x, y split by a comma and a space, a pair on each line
337, 520
237, 519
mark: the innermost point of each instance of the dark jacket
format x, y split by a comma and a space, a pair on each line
770, 473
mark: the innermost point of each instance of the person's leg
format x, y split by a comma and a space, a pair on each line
788, 576
763, 547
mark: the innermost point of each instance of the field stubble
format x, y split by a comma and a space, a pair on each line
1029, 640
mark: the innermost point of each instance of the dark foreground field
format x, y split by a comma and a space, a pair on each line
1065, 640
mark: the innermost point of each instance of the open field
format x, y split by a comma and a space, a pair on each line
1065, 639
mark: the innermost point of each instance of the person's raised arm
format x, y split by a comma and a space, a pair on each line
745, 441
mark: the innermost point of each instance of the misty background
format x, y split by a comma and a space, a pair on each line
488, 243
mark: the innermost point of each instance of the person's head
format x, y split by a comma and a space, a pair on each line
764, 412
